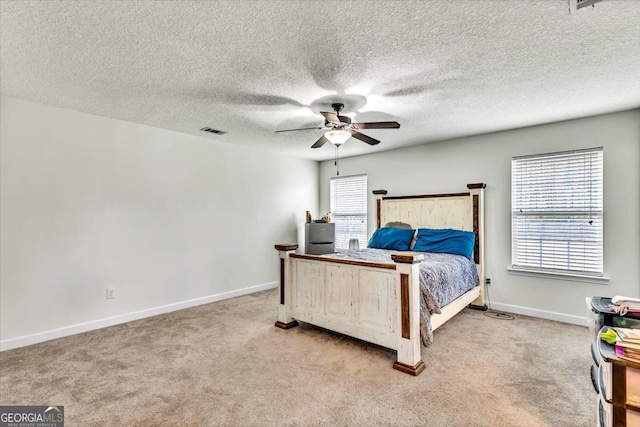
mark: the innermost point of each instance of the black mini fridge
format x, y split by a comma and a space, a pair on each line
319, 238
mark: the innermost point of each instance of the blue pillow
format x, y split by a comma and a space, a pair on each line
446, 240
398, 239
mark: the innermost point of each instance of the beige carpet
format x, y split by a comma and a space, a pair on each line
226, 364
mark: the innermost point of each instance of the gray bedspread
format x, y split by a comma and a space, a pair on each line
443, 278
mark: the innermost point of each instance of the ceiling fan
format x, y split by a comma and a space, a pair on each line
341, 128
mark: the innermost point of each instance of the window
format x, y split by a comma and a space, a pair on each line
349, 209
556, 212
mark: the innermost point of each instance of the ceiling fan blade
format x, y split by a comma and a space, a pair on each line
291, 130
330, 117
364, 138
319, 143
376, 125
344, 119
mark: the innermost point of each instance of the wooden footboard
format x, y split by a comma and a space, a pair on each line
375, 302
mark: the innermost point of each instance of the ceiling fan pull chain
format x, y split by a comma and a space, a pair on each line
336, 160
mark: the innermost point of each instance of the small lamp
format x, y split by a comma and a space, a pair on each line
337, 137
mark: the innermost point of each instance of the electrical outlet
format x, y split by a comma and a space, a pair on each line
111, 293
487, 280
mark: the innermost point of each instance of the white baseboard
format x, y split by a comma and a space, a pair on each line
543, 314
123, 318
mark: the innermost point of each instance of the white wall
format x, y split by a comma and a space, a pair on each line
448, 166
88, 203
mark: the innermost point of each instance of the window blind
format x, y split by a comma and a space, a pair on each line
556, 212
349, 209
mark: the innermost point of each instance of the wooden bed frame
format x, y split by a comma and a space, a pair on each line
380, 302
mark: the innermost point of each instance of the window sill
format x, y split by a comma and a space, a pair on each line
560, 276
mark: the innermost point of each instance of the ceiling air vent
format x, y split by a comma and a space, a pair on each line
211, 130
579, 4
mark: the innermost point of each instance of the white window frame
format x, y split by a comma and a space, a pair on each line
557, 214
350, 213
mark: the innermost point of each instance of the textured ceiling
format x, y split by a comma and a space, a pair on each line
443, 69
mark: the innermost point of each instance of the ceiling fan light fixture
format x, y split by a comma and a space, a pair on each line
337, 137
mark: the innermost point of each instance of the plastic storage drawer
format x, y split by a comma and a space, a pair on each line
605, 413
604, 380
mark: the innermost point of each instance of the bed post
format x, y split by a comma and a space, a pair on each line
477, 205
379, 195
285, 321
408, 309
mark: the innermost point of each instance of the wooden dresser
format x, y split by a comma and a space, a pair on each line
618, 389
616, 380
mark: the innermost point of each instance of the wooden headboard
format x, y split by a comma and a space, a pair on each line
462, 211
